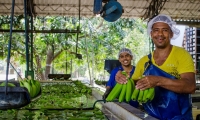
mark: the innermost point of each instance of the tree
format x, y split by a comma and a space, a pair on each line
56, 52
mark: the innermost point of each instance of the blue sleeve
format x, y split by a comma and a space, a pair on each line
132, 71
111, 82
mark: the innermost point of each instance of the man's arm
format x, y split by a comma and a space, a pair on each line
110, 84
107, 92
184, 85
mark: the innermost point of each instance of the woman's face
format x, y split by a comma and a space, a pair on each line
125, 59
161, 34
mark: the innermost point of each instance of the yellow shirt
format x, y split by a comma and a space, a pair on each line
179, 61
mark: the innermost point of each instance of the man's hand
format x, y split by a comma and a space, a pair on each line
147, 82
120, 78
178, 86
105, 95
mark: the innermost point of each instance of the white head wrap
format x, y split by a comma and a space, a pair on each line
125, 50
165, 19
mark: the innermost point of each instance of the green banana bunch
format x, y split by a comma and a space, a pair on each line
124, 91
117, 92
32, 86
143, 96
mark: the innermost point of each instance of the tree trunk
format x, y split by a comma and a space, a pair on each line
39, 70
51, 55
48, 62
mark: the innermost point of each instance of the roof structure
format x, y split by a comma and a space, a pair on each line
183, 11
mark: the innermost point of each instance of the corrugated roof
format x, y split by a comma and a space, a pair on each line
181, 10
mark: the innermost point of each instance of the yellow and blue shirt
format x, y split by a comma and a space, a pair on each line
179, 61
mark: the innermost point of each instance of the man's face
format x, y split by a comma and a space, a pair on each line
125, 59
161, 34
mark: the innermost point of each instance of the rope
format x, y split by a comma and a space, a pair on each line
154, 9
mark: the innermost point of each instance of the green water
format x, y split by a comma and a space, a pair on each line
56, 102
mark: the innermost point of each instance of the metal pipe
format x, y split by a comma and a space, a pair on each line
44, 31
9, 44
32, 45
27, 38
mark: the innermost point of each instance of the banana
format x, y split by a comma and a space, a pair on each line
150, 94
27, 85
133, 84
34, 89
140, 96
129, 90
144, 98
21, 83
123, 93
9, 84
115, 92
152, 97
135, 94
38, 86
31, 87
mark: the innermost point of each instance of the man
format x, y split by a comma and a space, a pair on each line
125, 56
172, 95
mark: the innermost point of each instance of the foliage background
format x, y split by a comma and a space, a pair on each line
56, 52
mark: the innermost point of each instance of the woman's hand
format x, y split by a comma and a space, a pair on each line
120, 78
